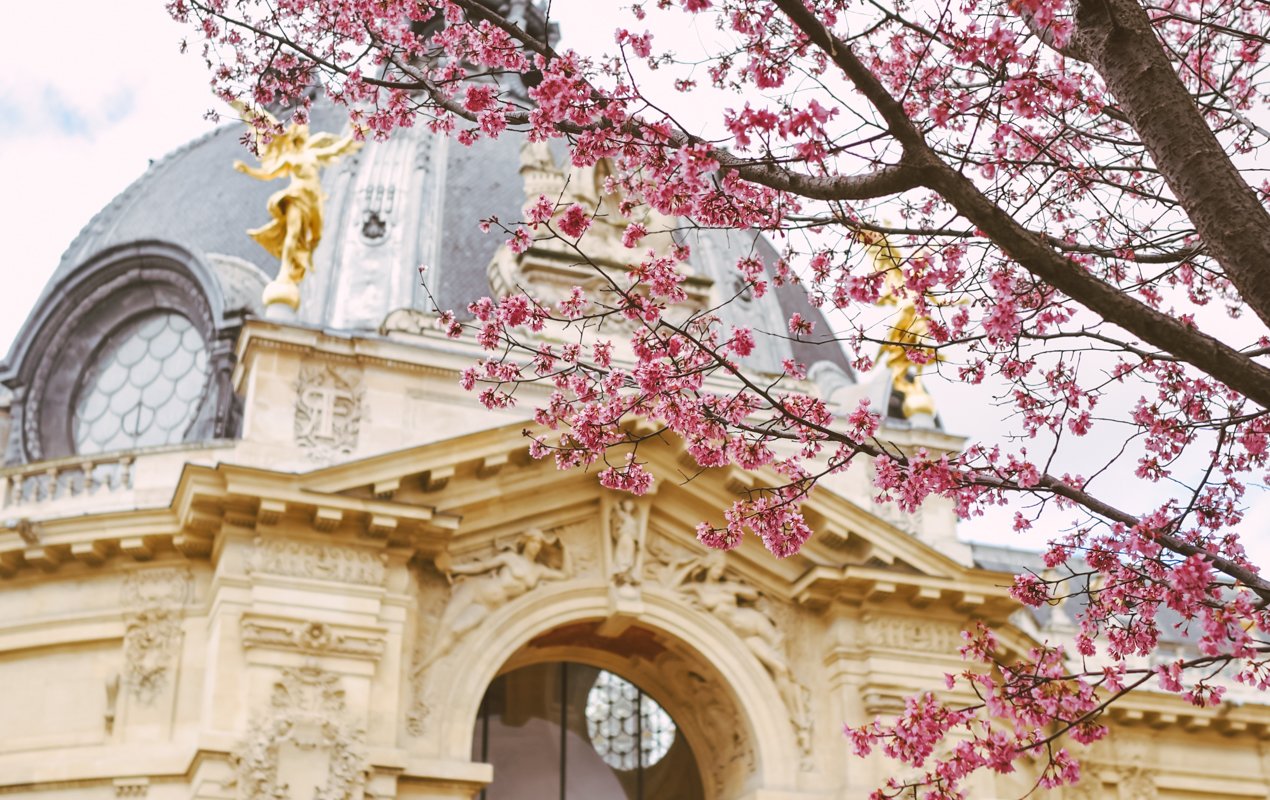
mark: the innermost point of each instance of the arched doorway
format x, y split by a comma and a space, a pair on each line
572, 731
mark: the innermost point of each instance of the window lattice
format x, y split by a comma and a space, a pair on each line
144, 387
625, 725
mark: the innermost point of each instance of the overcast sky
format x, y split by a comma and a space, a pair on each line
83, 113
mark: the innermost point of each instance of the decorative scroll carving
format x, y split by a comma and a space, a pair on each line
312, 638
908, 633
328, 409
738, 605
304, 746
153, 600
320, 561
494, 582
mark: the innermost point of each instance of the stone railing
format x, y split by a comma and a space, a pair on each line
75, 476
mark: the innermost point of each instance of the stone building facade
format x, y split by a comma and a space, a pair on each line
247, 557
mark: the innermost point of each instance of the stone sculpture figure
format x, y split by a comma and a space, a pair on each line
702, 580
296, 228
485, 585
627, 542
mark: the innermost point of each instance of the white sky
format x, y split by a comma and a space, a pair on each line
82, 118
82, 113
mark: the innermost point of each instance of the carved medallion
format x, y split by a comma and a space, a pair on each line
328, 409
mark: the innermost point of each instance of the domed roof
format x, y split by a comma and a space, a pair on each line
417, 198
192, 197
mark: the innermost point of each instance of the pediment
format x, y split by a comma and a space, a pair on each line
489, 487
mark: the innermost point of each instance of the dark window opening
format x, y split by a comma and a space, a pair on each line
575, 732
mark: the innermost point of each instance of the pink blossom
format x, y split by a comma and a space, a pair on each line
575, 221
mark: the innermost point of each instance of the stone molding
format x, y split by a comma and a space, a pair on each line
311, 638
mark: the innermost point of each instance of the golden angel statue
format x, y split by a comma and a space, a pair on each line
910, 331
296, 228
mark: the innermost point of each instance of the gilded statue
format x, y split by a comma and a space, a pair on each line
909, 331
483, 586
296, 228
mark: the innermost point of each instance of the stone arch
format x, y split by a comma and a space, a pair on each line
703, 645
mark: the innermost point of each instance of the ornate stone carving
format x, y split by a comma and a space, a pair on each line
311, 638
1137, 783
303, 746
585, 553
328, 409
730, 757
153, 600
487, 584
551, 267
739, 606
1089, 788
909, 633
666, 561
326, 562
132, 787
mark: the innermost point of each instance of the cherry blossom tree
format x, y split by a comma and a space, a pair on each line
1065, 195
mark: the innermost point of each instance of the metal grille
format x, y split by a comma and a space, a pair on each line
627, 728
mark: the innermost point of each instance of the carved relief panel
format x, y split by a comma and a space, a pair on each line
478, 588
153, 602
304, 559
